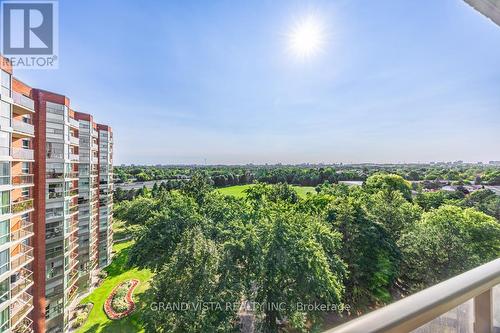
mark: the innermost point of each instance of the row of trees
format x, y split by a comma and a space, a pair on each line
312, 176
359, 246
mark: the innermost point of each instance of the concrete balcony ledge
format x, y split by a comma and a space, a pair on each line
419, 309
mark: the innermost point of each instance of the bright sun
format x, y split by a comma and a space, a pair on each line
306, 37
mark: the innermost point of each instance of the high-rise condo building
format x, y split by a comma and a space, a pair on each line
56, 206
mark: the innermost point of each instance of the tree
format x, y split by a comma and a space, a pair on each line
448, 241
157, 239
198, 186
194, 277
372, 257
390, 182
392, 211
299, 263
137, 211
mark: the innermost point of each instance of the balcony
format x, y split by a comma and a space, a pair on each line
23, 154
74, 140
440, 308
22, 127
22, 205
74, 123
24, 257
23, 179
71, 192
72, 262
72, 226
72, 279
71, 174
23, 101
20, 308
25, 231
22, 284
74, 157
24, 326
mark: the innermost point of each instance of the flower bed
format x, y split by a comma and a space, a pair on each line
119, 303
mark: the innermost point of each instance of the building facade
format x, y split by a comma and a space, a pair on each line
105, 194
56, 206
17, 206
88, 198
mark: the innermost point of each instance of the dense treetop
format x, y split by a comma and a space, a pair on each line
359, 247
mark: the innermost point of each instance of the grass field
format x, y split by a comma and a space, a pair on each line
117, 272
239, 190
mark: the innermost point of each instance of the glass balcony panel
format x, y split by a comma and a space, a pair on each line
22, 153
23, 179
22, 100
21, 126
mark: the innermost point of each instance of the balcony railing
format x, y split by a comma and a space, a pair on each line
74, 122
24, 282
24, 101
21, 126
74, 140
22, 205
22, 258
22, 154
72, 262
412, 312
24, 326
20, 308
25, 230
25, 179
74, 157
72, 278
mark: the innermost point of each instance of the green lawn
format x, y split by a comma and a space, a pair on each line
117, 272
238, 190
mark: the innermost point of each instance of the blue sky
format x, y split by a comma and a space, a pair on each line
214, 81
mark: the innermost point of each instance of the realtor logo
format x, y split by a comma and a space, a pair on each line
29, 33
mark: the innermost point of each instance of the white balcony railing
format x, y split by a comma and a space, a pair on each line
21, 126
432, 304
74, 157
24, 101
23, 179
20, 308
22, 154
74, 122
25, 230
74, 140
22, 258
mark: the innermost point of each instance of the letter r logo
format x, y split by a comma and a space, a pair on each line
27, 28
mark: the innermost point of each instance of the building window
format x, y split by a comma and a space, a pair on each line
4, 202
4, 290
4, 232
55, 150
4, 143
4, 173
5, 114
4, 261
25, 168
4, 320
5, 83
26, 143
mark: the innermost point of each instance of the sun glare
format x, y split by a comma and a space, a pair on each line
307, 37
